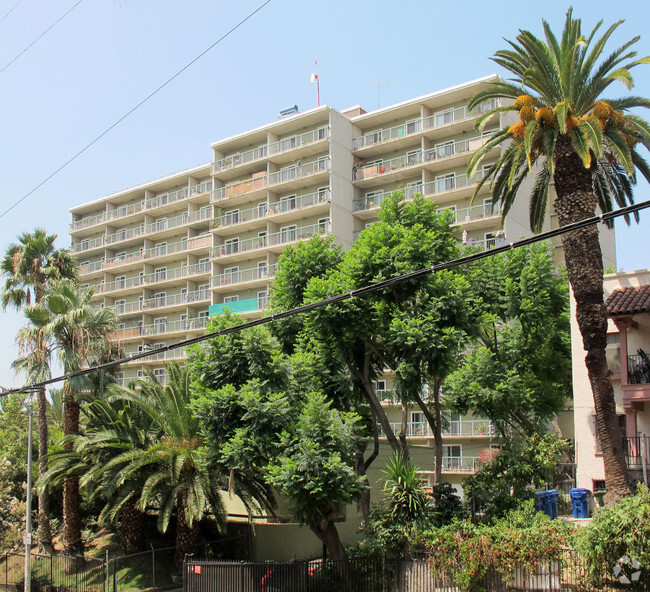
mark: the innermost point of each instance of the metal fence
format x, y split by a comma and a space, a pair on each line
53, 573
570, 573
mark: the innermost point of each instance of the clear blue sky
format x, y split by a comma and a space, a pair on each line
107, 55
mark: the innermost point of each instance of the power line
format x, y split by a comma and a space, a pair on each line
347, 295
40, 36
10, 11
133, 109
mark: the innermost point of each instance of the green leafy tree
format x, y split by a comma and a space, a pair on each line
27, 268
78, 335
518, 373
583, 142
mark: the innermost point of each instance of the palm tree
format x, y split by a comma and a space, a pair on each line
78, 335
170, 468
27, 268
568, 133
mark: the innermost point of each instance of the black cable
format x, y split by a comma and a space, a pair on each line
142, 102
348, 295
40, 36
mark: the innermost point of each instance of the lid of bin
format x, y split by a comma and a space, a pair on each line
579, 492
540, 494
552, 492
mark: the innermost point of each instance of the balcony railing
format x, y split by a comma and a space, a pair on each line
637, 450
283, 145
161, 301
140, 206
240, 306
297, 202
161, 275
262, 180
162, 328
439, 119
430, 188
244, 275
638, 369
466, 427
417, 158
285, 236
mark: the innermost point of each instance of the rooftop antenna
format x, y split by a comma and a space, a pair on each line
379, 84
314, 77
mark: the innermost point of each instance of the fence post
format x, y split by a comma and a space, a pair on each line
107, 581
153, 567
644, 457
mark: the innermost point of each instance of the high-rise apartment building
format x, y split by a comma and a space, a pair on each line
168, 253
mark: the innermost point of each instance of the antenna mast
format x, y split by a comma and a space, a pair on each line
379, 84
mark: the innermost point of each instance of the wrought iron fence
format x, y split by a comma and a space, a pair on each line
377, 574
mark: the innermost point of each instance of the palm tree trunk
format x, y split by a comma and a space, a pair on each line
576, 201
132, 525
44, 528
72, 541
187, 537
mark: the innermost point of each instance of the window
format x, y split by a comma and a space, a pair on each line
288, 143
160, 249
372, 199
445, 182
140, 374
262, 209
452, 457
444, 117
373, 137
321, 133
288, 233
204, 314
120, 306
379, 386
288, 203
159, 373
231, 246
140, 279
262, 299
261, 240
161, 224
323, 225
204, 265
160, 324
413, 126
488, 207
120, 235
230, 299
159, 299
184, 322
418, 425
288, 173
455, 424
231, 217
183, 294
120, 256
445, 149
322, 164
262, 270
204, 292
413, 157
160, 274
231, 275
260, 152
120, 282
323, 194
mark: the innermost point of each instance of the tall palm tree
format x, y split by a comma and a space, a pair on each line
78, 335
27, 268
570, 134
170, 468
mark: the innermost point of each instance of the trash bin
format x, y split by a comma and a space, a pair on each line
539, 500
550, 503
580, 500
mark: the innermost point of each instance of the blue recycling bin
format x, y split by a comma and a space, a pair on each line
539, 500
580, 501
550, 503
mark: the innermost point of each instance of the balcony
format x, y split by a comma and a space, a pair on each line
233, 278
468, 428
437, 187
288, 235
417, 158
240, 306
457, 464
166, 356
157, 277
274, 209
162, 328
161, 301
172, 197
265, 150
637, 451
262, 180
437, 120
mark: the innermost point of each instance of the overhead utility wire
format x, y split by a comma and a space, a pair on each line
10, 11
40, 36
142, 102
347, 295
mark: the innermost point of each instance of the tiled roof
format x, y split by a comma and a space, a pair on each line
627, 301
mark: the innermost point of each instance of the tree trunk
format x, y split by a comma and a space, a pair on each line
187, 537
72, 541
325, 529
404, 430
576, 201
132, 525
44, 528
